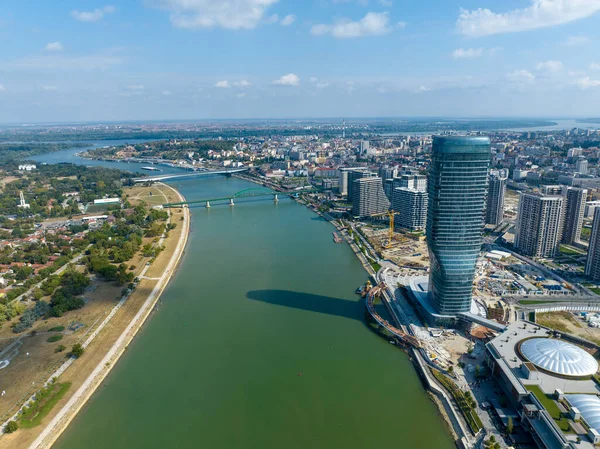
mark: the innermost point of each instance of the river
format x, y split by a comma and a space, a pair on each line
260, 343
70, 156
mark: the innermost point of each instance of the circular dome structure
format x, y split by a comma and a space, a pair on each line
559, 357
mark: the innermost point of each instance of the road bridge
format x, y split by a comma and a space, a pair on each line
246, 193
194, 174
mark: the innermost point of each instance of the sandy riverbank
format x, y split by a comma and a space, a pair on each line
129, 316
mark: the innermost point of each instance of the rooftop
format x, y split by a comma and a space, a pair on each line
559, 357
504, 349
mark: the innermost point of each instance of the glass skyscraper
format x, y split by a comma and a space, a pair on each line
458, 179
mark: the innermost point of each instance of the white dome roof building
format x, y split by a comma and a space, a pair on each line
558, 357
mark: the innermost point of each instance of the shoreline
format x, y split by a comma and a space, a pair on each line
60, 422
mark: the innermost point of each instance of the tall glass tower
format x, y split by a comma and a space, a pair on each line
458, 180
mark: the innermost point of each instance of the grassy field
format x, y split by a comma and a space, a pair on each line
154, 195
46, 399
557, 320
532, 302
570, 251
586, 233
550, 407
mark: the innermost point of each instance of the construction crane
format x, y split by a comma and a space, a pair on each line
390, 214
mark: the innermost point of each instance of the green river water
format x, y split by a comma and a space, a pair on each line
260, 344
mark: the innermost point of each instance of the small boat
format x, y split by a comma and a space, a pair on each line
337, 238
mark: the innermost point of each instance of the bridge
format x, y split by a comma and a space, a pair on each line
477, 319
189, 175
246, 193
401, 334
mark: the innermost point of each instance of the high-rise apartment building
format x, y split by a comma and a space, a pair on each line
414, 181
458, 178
368, 197
592, 266
539, 225
388, 175
364, 147
494, 213
574, 211
410, 206
355, 174
410, 200
581, 166
343, 176
386, 172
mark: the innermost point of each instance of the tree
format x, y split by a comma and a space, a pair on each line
77, 350
11, 426
510, 425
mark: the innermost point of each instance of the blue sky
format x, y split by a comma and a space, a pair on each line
192, 59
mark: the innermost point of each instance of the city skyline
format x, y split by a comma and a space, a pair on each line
170, 59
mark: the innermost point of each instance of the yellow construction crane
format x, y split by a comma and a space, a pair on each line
390, 214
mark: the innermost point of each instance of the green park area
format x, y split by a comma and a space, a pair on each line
551, 407
44, 401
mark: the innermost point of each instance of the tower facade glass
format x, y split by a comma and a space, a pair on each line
458, 180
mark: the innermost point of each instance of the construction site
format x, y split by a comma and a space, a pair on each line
405, 249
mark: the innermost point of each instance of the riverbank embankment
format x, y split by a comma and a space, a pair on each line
62, 419
109, 341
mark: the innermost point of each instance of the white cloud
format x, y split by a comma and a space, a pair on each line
386, 3
539, 14
224, 84
464, 53
166, 92
290, 79
586, 82
50, 88
521, 76
54, 46
231, 14
595, 66
314, 79
92, 16
423, 89
550, 66
372, 24
288, 20
574, 41
135, 87
241, 95
2, 88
